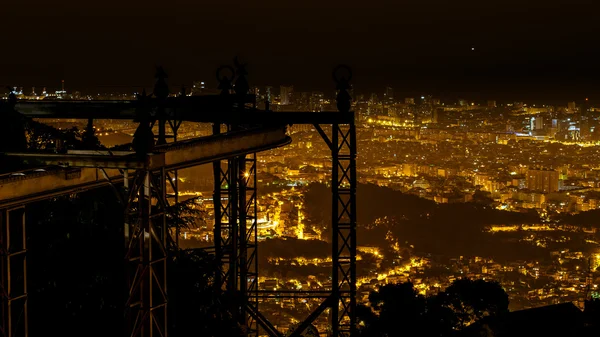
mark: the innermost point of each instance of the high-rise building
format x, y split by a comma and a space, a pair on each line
584, 108
316, 101
198, 88
285, 94
572, 107
269, 93
374, 99
491, 104
439, 115
542, 180
388, 95
409, 100
539, 123
62, 93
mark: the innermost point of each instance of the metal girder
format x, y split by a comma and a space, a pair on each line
13, 266
263, 321
55, 181
343, 188
225, 205
203, 109
313, 315
146, 255
38, 185
173, 155
248, 243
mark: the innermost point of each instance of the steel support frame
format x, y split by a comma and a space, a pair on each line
343, 252
235, 234
248, 241
146, 237
13, 267
173, 187
225, 214
343, 243
342, 299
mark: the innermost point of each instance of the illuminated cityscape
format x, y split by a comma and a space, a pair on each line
300, 169
530, 173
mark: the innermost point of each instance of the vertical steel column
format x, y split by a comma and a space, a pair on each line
248, 232
225, 229
225, 202
146, 255
173, 193
343, 188
231, 249
13, 266
218, 212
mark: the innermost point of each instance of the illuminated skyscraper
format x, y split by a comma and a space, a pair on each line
285, 93
198, 88
539, 123
440, 115
374, 99
388, 95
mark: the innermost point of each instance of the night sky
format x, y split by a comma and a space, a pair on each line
526, 49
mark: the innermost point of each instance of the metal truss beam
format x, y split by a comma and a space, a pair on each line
248, 242
343, 188
225, 214
34, 185
313, 315
177, 155
203, 109
262, 321
13, 266
146, 254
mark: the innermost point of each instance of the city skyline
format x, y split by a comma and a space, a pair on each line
322, 169
533, 50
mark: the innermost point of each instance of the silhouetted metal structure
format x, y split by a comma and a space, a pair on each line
239, 131
14, 272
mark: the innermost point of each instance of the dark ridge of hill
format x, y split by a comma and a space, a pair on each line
589, 218
447, 229
289, 248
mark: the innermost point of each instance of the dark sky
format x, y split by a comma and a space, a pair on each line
523, 49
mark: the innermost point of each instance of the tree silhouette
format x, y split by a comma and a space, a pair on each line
472, 300
199, 310
483, 198
398, 310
